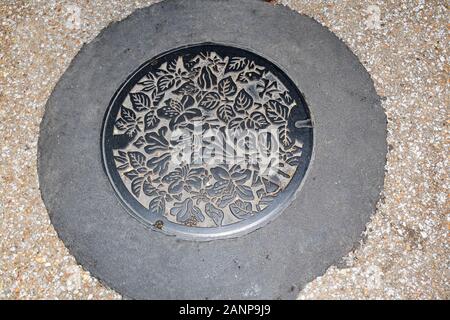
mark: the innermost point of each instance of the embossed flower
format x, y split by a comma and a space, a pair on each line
179, 111
230, 184
184, 178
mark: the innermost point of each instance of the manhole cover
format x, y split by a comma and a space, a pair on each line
207, 141
212, 150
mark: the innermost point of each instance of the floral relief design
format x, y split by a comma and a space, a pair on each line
224, 92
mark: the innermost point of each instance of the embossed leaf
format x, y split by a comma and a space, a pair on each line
243, 101
285, 96
270, 186
210, 101
256, 121
264, 202
159, 164
220, 173
237, 123
157, 97
225, 113
188, 87
151, 120
240, 175
165, 82
285, 138
244, 192
214, 213
175, 180
136, 186
137, 159
207, 79
121, 124
158, 205
241, 209
139, 142
236, 64
293, 161
156, 141
149, 84
276, 112
148, 189
227, 87
127, 114
131, 174
122, 157
131, 133
185, 210
227, 198
140, 101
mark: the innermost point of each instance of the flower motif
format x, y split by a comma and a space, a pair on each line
185, 211
179, 112
184, 178
230, 184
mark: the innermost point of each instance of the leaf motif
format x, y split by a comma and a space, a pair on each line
220, 173
236, 64
131, 133
136, 186
241, 209
121, 124
148, 189
225, 113
244, 192
243, 101
151, 121
159, 164
237, 122
137, 159
127, 114
207, 79
165, 82
139, 142
149, 84
270, 186
276, 112
256, 121
264, 202
131, 174
157, 97
286, 97
285, 138
293, 161
227, 198
227, 87
214, 213
210, 101
140, 101
188, 87
157, 205
156, 141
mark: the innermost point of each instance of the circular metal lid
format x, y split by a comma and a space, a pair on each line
207, 141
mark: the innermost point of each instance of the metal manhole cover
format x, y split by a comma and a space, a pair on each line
207, 141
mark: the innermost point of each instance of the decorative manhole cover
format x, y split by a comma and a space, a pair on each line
207, 141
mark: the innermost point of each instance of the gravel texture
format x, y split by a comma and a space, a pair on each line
403, 45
